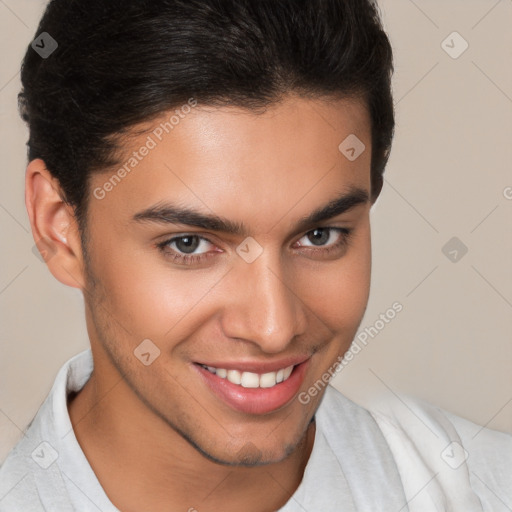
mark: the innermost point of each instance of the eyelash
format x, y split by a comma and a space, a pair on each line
191, 259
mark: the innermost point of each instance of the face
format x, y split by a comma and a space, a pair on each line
239, 242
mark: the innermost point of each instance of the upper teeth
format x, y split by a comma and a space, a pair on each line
252, 380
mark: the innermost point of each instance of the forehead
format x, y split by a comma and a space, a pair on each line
247, 164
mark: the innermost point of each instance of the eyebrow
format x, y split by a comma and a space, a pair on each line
169, 213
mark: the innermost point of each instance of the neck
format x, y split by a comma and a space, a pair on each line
144, 464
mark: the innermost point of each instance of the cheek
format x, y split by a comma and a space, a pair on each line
338, 291
356, 276
146, 295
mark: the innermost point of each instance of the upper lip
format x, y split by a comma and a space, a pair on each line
257, 367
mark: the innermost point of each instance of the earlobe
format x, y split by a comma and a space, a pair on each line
53, 225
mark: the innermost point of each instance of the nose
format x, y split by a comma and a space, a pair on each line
262, 307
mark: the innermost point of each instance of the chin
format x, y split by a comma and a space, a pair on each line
251, 456
248, 455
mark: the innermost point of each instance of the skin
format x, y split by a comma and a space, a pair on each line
156, 436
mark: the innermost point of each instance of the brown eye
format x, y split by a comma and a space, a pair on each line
187, 244
182, 249
319, 237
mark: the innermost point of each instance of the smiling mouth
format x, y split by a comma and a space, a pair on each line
250, 379
251, 392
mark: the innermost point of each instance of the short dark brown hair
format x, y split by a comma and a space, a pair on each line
121, 62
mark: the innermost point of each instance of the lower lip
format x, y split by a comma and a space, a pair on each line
255, 400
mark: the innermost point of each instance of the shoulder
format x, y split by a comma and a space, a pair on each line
31, 478
18, 488
361, 452
340, 415
453, 459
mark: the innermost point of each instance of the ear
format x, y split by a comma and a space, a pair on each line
54, 226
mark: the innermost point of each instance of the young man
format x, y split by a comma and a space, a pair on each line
203, 172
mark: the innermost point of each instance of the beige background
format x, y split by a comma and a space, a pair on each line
449, 175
